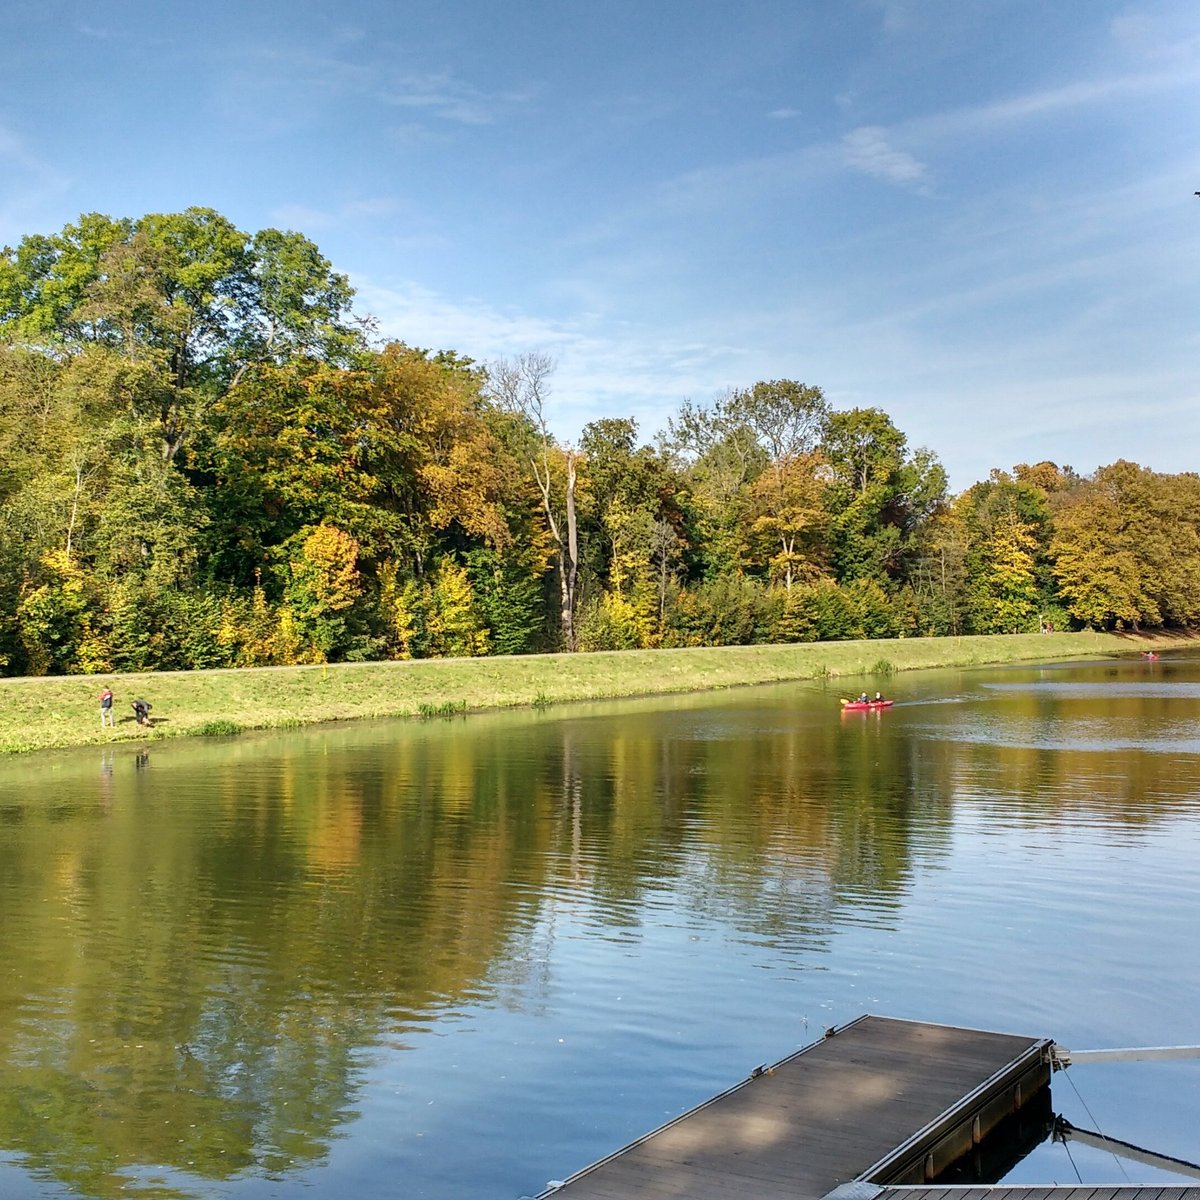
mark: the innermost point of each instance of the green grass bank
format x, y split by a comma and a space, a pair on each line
60, 711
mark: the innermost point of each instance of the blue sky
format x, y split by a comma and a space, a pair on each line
977, 215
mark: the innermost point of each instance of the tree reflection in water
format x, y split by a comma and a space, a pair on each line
204, 957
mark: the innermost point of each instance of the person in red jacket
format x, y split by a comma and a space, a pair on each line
106, 708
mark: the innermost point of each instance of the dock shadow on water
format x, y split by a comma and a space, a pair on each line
458, 959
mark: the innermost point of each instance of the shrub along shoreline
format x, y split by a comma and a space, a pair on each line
60, 711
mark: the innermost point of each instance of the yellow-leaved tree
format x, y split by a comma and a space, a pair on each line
323, 586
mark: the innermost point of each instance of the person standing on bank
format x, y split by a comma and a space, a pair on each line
106, 708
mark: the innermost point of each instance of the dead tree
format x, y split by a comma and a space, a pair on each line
522, 386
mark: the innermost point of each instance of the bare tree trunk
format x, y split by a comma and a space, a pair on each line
80, 477
664, 539
571, 563
521, 386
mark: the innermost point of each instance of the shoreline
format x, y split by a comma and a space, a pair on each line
62, 711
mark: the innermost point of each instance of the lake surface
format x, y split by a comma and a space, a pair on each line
461, 958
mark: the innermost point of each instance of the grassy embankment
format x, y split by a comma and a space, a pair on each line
58, 711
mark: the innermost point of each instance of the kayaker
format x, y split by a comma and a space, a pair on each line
864, 699
878, 698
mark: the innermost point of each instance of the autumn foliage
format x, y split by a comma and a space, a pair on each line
206, 460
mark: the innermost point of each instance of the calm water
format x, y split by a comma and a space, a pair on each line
460, 959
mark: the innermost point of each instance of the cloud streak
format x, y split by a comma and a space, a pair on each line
873, 149
629, 370
302, 217
440, 95
979, 120
27, 184
449, 99
868, 149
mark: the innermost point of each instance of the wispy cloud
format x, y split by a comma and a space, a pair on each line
365, 209
370, 207
873, 149
897, 15
310, 72
724, 186
1172, 36
450, 99
979, 120
27, 184
643, 373
321, 79
628, 370
868, 149
300, 216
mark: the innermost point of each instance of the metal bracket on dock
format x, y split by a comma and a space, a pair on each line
1061, 1057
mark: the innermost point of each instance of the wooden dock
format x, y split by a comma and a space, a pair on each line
879, 1100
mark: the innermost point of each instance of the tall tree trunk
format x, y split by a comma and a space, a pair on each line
522, 386
570, 558
79, 477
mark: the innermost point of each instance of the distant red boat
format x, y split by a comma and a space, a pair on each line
1150, 655
865, 705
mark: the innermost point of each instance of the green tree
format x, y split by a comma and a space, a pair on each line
822, 611
935, 595
1006, 597
665, 560
189, 297
1008, 526
785, 520
508, 593
787, 418
721, 455
729, 610
1126, 548
880, 496
454, 627
300, 444
633, 522
768, 427
1096, 564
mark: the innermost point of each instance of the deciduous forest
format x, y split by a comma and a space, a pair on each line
208, 460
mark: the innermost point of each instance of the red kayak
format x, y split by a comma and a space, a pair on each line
865, 705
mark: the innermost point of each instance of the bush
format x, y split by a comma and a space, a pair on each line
873, 609
218, 729
608, 623
731, 611
452, 708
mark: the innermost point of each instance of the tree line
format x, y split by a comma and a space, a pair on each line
208, 460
